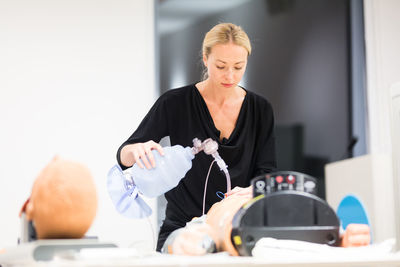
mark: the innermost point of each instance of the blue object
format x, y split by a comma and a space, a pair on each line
351, 210
220, 194
124, 186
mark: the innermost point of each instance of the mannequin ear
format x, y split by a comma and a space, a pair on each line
29, 211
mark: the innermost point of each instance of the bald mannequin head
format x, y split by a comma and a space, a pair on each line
63, 202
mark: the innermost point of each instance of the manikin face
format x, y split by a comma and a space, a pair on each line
226, 65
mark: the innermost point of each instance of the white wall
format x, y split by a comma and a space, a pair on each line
382, 37
382, 42
76, 78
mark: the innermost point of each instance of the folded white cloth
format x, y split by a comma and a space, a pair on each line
294, 250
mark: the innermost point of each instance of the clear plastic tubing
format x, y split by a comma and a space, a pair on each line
228, 181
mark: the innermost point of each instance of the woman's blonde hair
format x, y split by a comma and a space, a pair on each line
224, 33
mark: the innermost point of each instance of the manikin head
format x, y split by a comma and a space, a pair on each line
218, 226
63, 202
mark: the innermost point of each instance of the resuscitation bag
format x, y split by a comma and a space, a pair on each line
124, 186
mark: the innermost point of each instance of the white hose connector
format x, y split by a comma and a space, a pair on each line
197, 146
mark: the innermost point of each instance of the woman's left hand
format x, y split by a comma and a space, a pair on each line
241, 191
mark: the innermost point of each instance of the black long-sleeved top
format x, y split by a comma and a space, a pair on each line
182, 114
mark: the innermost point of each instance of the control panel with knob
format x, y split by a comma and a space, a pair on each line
284, 180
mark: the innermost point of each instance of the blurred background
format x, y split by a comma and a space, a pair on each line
301, 62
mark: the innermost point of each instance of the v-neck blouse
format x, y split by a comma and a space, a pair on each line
211, 121
182, 114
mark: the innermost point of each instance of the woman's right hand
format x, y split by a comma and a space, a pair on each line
140, 153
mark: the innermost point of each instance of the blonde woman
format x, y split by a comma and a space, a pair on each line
218, 108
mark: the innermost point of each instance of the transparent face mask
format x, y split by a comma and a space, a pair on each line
125, 195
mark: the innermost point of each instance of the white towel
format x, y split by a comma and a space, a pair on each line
294, 250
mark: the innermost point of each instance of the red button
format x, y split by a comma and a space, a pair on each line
279, 179
290, 179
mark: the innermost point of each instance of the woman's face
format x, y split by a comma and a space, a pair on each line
226, 65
